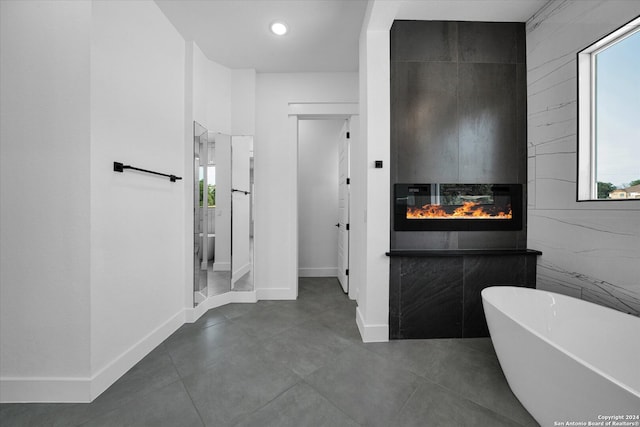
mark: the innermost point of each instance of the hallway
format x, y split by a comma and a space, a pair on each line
295, 363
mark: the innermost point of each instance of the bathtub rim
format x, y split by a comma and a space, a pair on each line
521, 290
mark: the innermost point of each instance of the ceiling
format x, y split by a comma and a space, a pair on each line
323, 34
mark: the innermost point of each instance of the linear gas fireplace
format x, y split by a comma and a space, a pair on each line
457, 207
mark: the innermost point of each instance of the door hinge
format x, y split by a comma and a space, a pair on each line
346, 272
347, 227
348, 135
348, 181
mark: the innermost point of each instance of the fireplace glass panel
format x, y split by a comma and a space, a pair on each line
424, 207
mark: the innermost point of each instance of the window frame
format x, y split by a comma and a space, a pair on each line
587, 186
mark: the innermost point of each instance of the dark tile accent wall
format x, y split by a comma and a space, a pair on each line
428, 112
458, 115
439, 296
415, 41
437, 313
489, 42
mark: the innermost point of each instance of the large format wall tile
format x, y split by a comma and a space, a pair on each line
458, 115
487, 123
588, 254
440, 296
591, 249
489, 42
414, 41
431, 297
424, 121
484, 271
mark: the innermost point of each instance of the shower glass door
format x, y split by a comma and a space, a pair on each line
200, 231
241, 213
220, 215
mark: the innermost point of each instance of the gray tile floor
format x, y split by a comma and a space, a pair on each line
295, 363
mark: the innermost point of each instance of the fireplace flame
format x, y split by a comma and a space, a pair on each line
468, 210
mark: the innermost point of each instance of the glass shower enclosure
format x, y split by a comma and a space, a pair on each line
222, 213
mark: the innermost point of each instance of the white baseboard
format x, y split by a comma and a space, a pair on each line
318, 272
114, 370
236, 275
45, 389
221, 266
193, 314
276, 294
371, 333
85, 389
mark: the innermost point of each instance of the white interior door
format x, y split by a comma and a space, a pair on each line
240, 210
343, 208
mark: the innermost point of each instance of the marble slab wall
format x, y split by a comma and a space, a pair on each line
591, 250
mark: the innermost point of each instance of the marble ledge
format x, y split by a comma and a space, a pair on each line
459, 252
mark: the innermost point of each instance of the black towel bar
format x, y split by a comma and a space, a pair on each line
235, 190
119, 167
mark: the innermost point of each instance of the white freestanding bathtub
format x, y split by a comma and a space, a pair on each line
565, 359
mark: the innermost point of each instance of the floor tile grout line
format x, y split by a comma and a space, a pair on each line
193, 403
404, 404
431, 380
239, 417
468, 399
328, 399
297, 316
137, 395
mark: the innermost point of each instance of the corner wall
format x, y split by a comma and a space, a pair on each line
591, 250
370, 215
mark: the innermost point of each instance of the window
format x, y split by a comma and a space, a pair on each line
211, 186
609, 115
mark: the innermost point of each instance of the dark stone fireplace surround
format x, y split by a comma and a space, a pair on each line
458, 115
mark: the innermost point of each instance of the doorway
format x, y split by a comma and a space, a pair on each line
323, 199
346, 114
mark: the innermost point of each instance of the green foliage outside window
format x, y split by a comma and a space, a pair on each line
604, 188
211, 194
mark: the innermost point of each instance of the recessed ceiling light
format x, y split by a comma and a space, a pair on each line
279, 28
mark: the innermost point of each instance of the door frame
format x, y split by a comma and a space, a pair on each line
344, 153
314, 111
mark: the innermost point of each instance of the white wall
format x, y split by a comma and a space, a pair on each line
211, 101
44, 196
92, 260
223, 101
276, 159
211, 93
318, 197
137, 101
218, 97
243, 102
591, 250
371, 212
